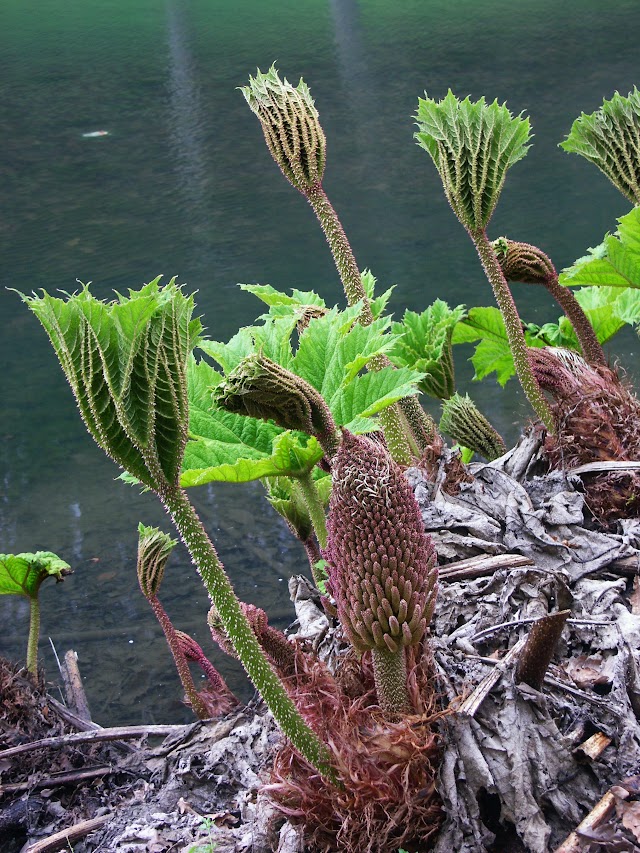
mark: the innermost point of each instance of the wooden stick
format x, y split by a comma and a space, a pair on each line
481, 566
596, 467
594, 746
561, 685
73, 687
58, 779
600, 812
119, 733
73, 719
471, 704
66, 837
625, 566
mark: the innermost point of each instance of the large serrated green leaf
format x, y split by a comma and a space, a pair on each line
125, 361
22, 574
368, 394
332, 351
377, 303
608, 310
492, 354
272, 297
424, 343
615, 263
231, 448
291, 455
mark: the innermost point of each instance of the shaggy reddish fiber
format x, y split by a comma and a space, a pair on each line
598, 420
388, 769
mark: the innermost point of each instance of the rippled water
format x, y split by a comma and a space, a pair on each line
183, 185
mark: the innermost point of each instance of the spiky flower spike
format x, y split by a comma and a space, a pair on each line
529, 264
473, 145
381, 563
261, 388
610, 138
464, 422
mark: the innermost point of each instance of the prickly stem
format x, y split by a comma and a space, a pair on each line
239, 632
197, 705
513, 326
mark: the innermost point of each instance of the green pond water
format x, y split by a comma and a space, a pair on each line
183, 185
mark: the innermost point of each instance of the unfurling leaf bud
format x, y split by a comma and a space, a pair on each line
524, 262
528, 264
290, 125
610, 139
262, 388
472, 146
274, 643
382, 565
464, 422
154, 549
218, 699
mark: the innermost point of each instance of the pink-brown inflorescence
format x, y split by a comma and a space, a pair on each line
381, 563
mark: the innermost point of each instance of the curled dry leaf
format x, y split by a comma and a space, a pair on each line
587, 671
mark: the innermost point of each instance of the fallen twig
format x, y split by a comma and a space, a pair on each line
471, 704
596, 467
559, 685
626, 566
594, 746
481, 566
119, 733
57, 779
598, 814
70, 717
73, 688
66, 837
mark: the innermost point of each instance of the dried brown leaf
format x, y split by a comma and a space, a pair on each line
631, 818
588, 671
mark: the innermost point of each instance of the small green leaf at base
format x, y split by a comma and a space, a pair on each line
22, 574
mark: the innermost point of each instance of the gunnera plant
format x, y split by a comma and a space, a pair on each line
296, 141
